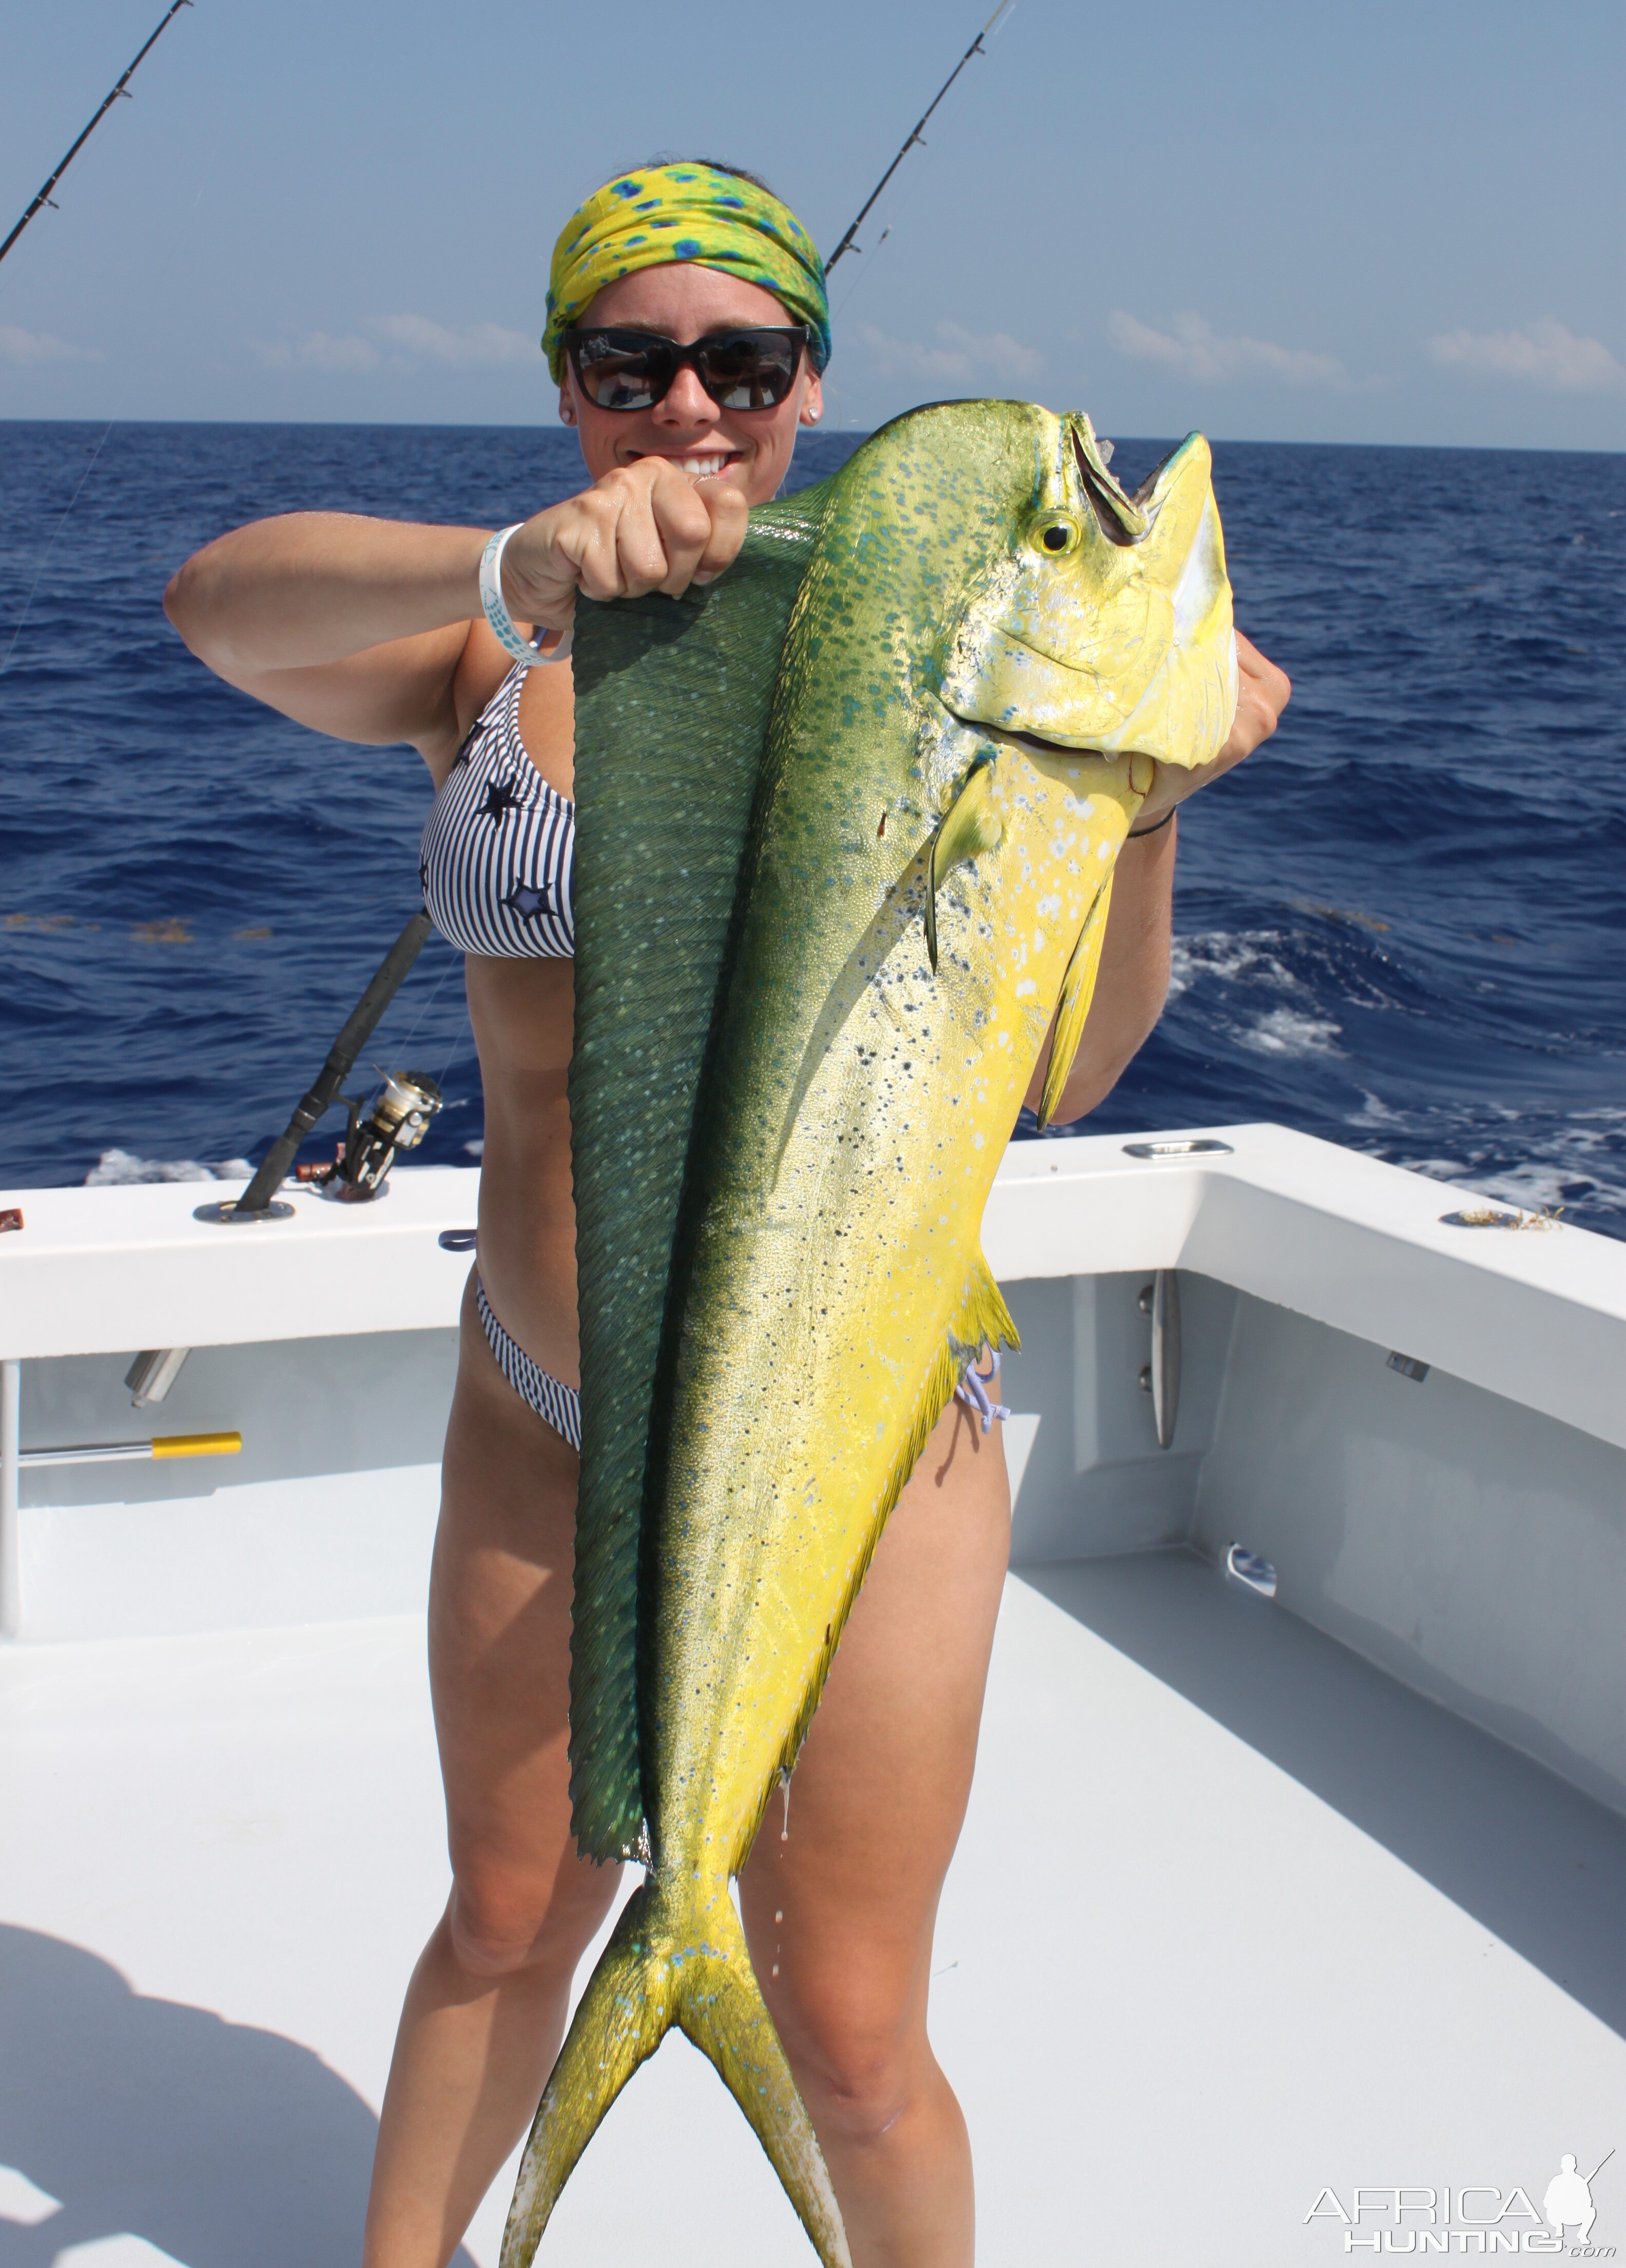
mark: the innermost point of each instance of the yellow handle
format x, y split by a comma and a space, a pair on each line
197, 1445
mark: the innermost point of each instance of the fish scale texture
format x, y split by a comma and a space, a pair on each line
673, 700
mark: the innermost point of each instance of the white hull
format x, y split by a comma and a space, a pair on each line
1256, 1899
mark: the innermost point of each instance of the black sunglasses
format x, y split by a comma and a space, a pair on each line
634, 369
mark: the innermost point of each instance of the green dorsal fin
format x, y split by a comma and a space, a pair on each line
1077, 991
672, 705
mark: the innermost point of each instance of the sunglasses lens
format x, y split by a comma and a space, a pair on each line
616, 374
750, 371
632, 370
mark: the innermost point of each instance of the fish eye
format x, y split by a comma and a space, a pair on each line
1059, 532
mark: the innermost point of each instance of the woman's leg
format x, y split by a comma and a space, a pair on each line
839, 1901
486, 2009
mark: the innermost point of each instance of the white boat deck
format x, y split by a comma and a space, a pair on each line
1236, 1918
1258, 1904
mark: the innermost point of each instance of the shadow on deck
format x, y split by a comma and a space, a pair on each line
223, 2146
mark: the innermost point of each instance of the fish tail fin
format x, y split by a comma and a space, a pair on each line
720, 2008
1077, 991
683, 1963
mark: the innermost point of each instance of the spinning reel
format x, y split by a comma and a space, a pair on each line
397, 1119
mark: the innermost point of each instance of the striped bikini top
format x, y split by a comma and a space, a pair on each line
499, 851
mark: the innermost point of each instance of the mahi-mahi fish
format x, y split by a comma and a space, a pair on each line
848, 823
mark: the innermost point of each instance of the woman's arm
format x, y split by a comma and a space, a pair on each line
1133, 982
361, 628
353, 626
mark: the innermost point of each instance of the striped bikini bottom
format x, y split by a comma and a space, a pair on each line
560, 1405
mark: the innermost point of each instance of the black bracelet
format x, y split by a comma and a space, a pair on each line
1136, 833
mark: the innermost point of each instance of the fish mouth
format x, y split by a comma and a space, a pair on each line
1035, 742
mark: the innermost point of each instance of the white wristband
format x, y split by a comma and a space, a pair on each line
504, 628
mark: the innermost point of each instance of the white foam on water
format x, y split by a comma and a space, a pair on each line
115, 1167
1232, 957
1573, 1163
1374, 1111
1284, 1032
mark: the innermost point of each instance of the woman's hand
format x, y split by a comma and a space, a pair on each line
1261, 696
647, 527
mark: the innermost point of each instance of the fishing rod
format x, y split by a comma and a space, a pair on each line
121, 88
398, 1120
975, 48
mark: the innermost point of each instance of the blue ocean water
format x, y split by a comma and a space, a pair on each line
1398, 926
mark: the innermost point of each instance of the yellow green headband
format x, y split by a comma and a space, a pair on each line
692, 211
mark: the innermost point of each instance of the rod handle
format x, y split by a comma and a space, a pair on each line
196, 1444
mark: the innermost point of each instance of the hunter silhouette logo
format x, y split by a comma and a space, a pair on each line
1569, 2200
1473, 2217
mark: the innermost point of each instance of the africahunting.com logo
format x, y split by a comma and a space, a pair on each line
1477, 2218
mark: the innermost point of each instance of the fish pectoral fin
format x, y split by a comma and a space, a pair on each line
1077, 991
971, 825
671, 1963
984, 1320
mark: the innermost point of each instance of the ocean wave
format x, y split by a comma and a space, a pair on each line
115, 1167
1573, 1163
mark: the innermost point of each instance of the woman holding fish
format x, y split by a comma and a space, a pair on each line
688, 328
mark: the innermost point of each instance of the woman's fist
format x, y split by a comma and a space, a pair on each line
647, 527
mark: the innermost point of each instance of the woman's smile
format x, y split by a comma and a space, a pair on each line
700, 465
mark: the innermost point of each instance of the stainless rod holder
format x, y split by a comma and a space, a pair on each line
152, 1373
1166, 1364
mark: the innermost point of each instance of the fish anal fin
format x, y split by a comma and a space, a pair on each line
971, 825
984, 1320
1077, 991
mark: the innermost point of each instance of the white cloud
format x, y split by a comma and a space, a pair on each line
1193, 349
1545, 353
404, 340
957, 360
479, 346
27, 348
320, 350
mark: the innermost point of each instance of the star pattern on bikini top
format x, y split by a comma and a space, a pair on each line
527, 900
499, 800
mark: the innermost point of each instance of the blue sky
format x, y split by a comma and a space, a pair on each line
1378, 223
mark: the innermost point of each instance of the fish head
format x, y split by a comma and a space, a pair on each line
1104, 622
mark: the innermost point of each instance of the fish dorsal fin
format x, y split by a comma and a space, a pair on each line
1077, 991
971, 825
673, 699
